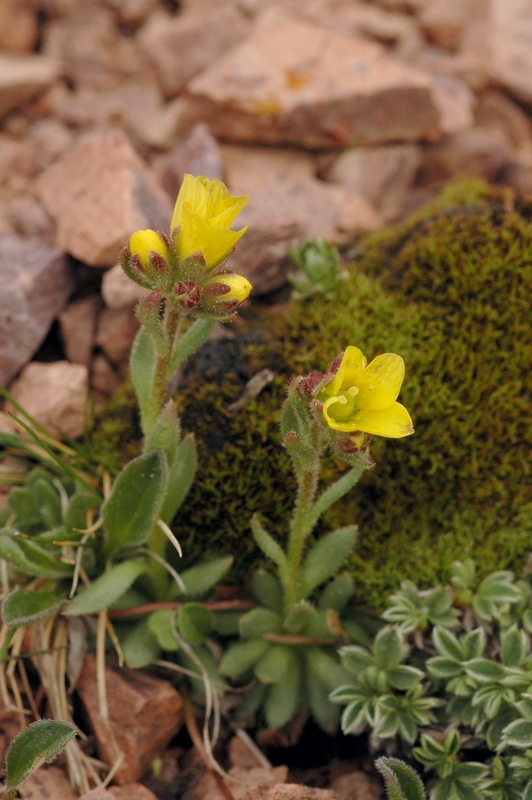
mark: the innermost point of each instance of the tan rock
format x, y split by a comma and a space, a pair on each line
496, 110
98, 793
104, 379
91, 48
198, 154
18, 27
357, 785
241, 782
382, 175
119, 291
455, 102
54, 394
277, 215
47, 783
144, 712
510, 40
133, 12
241, 756
36, 283
248, 170
183, 46
131, 791
346, 91
483, 152
289, 791
444, 21
357, 215
115, 331
99, 193
78, 327
23, 77
28, 216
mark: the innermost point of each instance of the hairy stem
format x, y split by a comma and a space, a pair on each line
299, 530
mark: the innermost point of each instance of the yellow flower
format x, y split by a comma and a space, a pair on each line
142, 243
361, 396
205, 210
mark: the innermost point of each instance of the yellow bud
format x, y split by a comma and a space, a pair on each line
239, 287
142, 243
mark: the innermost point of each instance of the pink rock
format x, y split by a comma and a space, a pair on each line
198, 154
246, 783
54, 394
36, 282
455, 102
115, 332
78, 327
99, 193
346, 91
496, 110
183, 46
510, 40
104, 379
357, 215
118, 291
133, 12
289, 791
483, 152
131, 791
382, 175
18, 27
444, 21
249, 170
47, 783
22, 77
98, 793
91, 48
357, 785
28, 216
144, 713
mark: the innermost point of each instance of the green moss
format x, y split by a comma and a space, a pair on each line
450, 291
114, 436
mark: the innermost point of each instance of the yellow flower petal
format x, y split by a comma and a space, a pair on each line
192, 191
239, 287
348, 373
380, 382
196, 235
393, 422
142, 243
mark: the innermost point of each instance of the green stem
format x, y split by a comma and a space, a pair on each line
299, 530
172, 319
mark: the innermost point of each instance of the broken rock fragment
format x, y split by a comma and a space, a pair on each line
36, 282
99, 193
22, 77
292, 82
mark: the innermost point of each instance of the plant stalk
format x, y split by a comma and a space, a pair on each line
299, 530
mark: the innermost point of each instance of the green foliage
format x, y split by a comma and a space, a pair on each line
400, 780
472, 667
318, 262
41, 741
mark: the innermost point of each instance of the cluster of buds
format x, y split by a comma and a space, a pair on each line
342, 407
187, 267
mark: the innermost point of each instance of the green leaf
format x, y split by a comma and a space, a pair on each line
140, 646
442, 667
484, 670
75, 516
133, 507
266, 588
274, 665
326, 557
337, 490
401, 781
289, 421
259, 621
356, 659
180, 478
194, 621
25, 608
326, 714
387, 648
403, 677
337, 593
225, 623
513, 647
268, 545
142, 367
29, 557
192, 339
49, 502
282, 700
106, 589
165, 433
45, 738
325, 667
200, 578
519, 734
159, 624
23, 502
447, 645
241, 657
298, 617
469, 771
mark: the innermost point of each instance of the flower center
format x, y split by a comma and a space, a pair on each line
342, 406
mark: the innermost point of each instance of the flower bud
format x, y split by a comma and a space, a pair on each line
146, 244
230, 287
